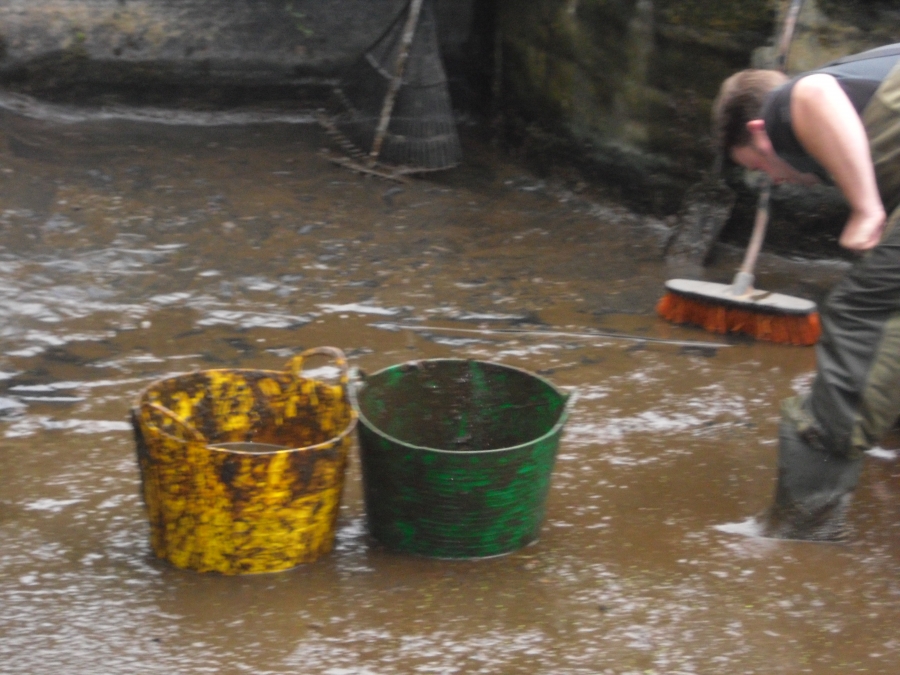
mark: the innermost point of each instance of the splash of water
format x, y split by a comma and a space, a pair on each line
751, 527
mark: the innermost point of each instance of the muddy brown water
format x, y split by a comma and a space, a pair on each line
131, 250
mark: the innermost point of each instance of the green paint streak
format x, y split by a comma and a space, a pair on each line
466, 503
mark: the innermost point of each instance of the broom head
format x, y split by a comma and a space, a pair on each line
759, 314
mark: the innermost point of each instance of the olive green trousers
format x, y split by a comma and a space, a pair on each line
855, 397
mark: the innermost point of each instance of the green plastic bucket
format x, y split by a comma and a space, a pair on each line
457, 455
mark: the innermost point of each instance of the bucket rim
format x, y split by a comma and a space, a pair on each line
200, 371
567, 397
334, 440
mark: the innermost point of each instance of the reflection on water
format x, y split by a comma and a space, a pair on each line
132, 250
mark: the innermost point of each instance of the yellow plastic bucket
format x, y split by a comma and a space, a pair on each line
242, 470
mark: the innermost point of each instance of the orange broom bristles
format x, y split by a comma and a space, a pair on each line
767, 324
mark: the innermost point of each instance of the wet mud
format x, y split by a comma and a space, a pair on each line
132, 250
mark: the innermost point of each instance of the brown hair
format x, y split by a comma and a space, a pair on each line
739, 101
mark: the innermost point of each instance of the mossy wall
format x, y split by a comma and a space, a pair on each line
624, 88
159, 48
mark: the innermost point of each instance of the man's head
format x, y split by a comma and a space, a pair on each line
739, 130
740, 100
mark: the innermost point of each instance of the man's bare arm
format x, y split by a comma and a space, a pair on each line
829, 128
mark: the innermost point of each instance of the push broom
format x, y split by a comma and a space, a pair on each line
740, 308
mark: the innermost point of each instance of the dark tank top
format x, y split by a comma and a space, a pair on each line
858, 75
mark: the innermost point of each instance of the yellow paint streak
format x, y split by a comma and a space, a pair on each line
214, 510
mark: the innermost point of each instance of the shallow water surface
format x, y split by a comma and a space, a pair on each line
131, 250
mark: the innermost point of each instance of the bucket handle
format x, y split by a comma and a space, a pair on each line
295, 365
190, 430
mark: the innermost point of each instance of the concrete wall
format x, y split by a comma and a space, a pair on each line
623, 88
632, 81
51, 44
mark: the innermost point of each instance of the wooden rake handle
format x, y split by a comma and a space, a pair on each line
409, 30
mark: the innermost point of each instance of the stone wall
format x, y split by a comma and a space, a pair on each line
58, 46
623, 88
628, 83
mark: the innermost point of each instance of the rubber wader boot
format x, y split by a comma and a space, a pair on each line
813, 492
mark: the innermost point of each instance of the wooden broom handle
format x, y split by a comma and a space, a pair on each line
409, 30
787, 33
743, 280
759, 227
